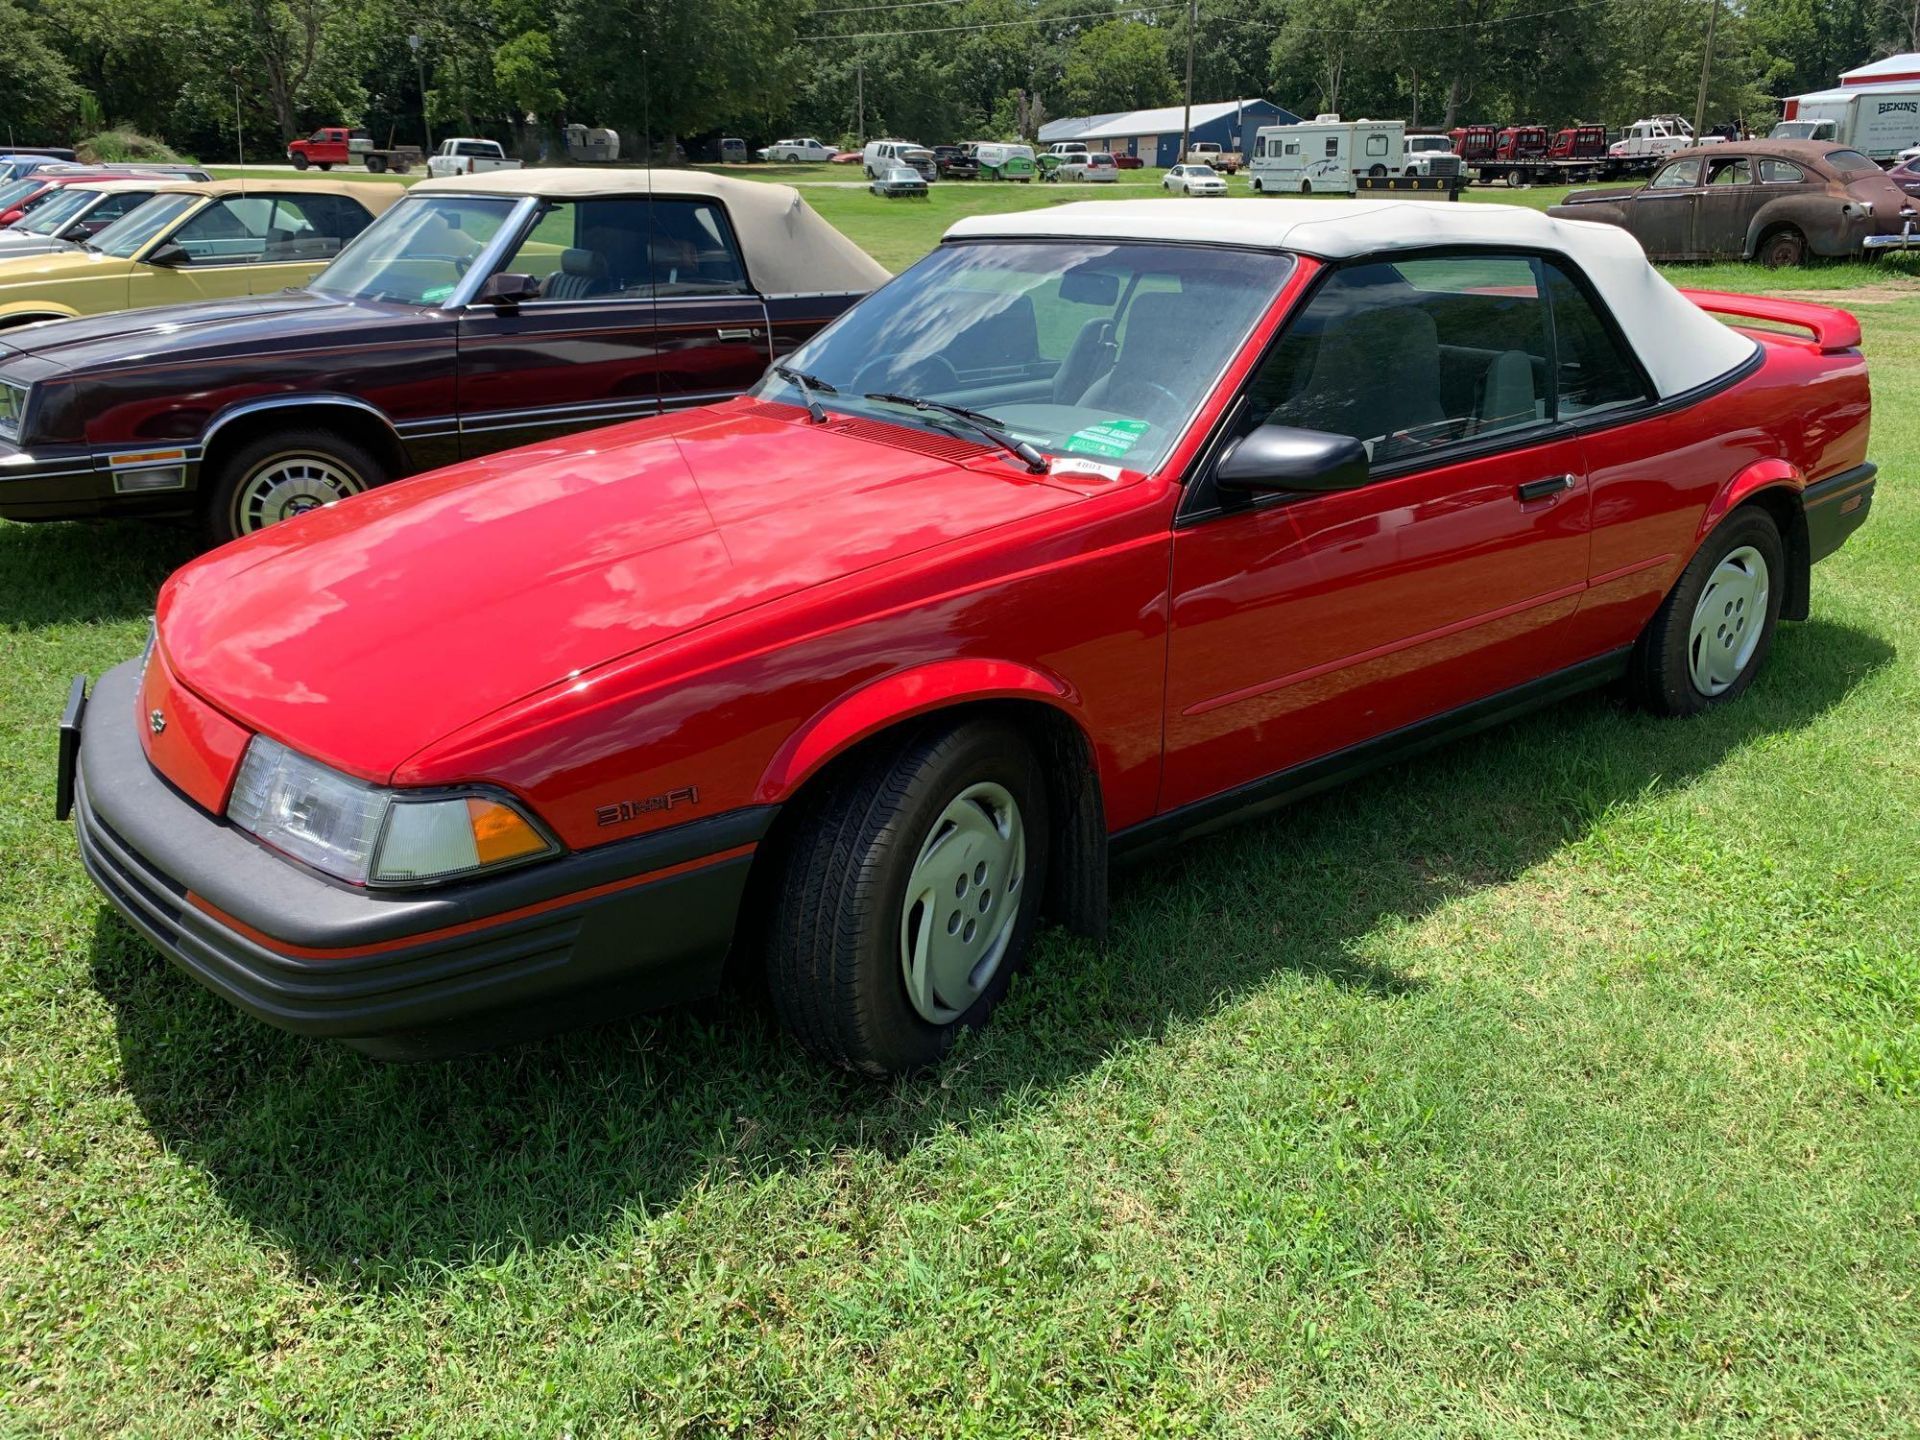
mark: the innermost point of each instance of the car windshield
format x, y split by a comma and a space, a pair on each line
131, 232
11, 195
419, 251
55, 211
1097, 350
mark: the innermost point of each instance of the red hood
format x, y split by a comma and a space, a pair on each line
361, 633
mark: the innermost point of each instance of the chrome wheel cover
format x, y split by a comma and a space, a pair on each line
1728, 620
963, 897
283, 486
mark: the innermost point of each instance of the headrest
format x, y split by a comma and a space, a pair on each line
590, 264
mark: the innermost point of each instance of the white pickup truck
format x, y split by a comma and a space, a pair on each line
469, 157
1207, 153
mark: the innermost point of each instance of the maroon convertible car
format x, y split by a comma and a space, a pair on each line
481, 312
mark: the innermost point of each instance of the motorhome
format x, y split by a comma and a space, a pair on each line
1325, 156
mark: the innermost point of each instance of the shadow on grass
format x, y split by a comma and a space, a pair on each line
64, 571
373, 1175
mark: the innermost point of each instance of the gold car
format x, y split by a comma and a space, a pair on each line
206, 241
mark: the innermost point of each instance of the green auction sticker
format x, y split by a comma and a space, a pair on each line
436, 295
1112, 438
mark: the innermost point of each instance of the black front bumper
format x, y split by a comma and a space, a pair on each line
632, 925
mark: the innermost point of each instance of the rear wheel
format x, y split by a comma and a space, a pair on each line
1515, 179
376, 164
326, 164
1712, 633
1782, 248
907, 895
1306, 187
284, 474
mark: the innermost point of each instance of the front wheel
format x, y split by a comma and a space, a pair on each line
906, 896
285, 474
1712, 633
300, 161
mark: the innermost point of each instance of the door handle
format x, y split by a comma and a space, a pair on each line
1543, 488
742, 334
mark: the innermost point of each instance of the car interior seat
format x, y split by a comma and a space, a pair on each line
1376, 372
1509, 396
582, 274
1164, 333
1089, 357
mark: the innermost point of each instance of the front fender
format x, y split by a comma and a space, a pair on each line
901, 696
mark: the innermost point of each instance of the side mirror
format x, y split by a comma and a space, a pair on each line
1279, 457
508, 289
169, 255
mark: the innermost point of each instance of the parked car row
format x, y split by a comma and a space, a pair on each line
1099, 526
462, 316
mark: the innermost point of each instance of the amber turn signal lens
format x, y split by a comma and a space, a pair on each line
501, 833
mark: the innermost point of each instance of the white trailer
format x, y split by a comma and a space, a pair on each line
1326, 155
1878, 120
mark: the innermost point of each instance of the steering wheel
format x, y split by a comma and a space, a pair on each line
1178, 406
929, 372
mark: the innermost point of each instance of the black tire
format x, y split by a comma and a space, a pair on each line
222, 511
1782, 248
401, 167
325, 164
1660, 674
376, 164
300, 161
834, 962
1377, 171
1306, 187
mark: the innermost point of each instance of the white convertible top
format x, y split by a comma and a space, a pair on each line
1680, 344
789, 249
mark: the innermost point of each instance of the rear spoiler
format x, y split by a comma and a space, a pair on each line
1833, 330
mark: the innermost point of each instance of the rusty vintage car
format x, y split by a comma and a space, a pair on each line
1774, 201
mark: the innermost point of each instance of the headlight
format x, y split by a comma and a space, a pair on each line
13, 408
368, 835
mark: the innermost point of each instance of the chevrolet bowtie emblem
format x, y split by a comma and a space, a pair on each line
156, 721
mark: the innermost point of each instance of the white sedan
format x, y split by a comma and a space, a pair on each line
1194, 180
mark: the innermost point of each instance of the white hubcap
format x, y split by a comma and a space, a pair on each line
1727, 621
962, 900
290, 485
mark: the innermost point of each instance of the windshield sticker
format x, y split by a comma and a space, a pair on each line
1074, 465
1112, 438
435, 295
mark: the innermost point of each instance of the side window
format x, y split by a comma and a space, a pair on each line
631, 249
1781, 172
1333, 146
311, 227
1376, 144
1412, 356
1680, 175
1595, 371
1292, 148
1730, 172
231, 232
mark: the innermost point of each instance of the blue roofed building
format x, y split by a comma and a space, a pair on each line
1154, 135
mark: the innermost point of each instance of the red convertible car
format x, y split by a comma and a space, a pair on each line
1101, 524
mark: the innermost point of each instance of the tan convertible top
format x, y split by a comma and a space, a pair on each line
374, 194
789, 249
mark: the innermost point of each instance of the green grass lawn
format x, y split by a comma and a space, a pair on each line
1565, 1082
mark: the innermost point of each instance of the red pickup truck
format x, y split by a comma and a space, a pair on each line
333, 145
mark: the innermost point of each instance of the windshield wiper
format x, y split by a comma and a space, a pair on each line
809, 387
994, 430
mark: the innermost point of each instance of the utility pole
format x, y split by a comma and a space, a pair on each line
860, 98
420, 69
1706, 68
1186, 118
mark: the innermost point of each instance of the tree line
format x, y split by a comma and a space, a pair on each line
209, 76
